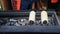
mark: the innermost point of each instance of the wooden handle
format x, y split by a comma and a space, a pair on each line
33, 6
41, 5
5, 4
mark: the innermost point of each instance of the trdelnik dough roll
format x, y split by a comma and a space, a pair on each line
32, 17
44, 17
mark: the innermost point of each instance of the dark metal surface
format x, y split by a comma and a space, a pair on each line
30, 29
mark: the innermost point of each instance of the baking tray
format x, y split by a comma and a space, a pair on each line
31, 28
